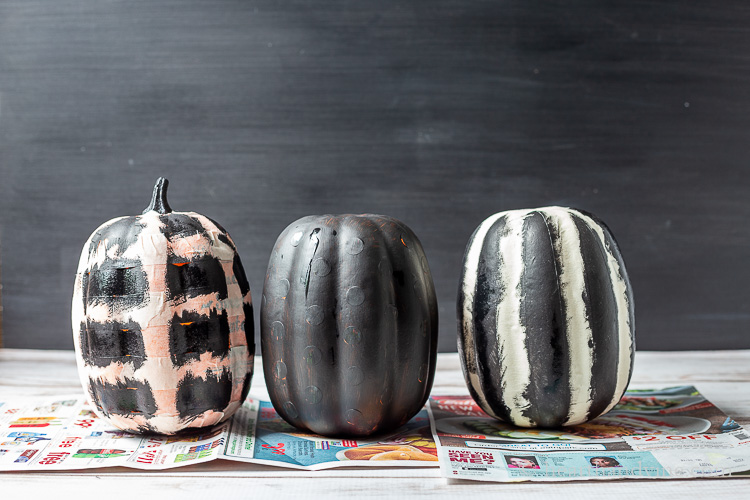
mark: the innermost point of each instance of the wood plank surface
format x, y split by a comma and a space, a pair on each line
723, 376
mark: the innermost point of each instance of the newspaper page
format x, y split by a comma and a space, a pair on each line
660, 434
275, 442
62, 433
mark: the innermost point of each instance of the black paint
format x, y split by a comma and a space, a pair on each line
239, 274
489, 292
159, 202
128, 398
437, 112
178, 225
543, 316
601, 312
193, 334
191, 278
369, 276
121, 233
121, 285
112, 341
196, 395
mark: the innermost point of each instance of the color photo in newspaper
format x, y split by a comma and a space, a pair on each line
258, 434
667, 433
62, 433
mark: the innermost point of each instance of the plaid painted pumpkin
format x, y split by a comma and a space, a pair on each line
163, 321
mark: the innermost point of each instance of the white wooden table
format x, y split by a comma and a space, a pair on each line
722, 376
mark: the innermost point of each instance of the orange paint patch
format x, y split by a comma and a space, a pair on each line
191, 246
208, 418
156, 341
111, 374
166, 401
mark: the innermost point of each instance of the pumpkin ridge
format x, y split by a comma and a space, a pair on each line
467, 346
485, 319
545, 344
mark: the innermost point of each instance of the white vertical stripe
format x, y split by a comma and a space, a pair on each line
511, 335
620, 289
577, 327
469, 288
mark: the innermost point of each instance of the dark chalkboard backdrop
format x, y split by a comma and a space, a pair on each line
438, 113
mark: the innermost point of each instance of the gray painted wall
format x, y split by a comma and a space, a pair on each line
438, 113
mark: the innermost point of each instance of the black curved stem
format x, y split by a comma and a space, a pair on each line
159, 198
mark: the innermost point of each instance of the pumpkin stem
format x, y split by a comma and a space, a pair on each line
159, 198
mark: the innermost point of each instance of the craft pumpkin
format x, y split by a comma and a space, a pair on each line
163, 321
348, 325
546, 324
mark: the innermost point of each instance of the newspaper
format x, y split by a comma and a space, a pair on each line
63, 433
666, 433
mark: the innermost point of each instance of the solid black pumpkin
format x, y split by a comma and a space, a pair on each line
546, 323
349, 325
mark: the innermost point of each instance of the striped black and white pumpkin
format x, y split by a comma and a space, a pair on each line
546, 323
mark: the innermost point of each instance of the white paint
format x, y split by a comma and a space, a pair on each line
511, 334
469, 288
625, 340
572, 288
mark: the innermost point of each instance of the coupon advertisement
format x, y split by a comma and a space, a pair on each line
63, 433
660, 434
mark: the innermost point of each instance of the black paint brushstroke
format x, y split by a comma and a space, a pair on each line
177, 225
121, 285
239, 274
128, 397
196, 396
193, 334
123, 233
186, 279
109, 342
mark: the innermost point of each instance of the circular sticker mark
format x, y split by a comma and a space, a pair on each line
314, 315
355, 375
355, 296
313, 355
321, 267
355, 246
279, 370
352, 336
313, 395
290, 410
425, 265
278, 330
353, 416
284, 286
